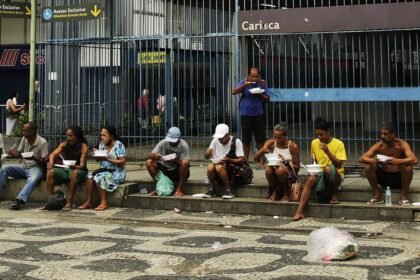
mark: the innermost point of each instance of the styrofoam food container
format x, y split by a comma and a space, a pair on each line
271, 156
69, 162
256, 90
274, 162
382, 158
169, 157
27, 154
314, 169
100, 153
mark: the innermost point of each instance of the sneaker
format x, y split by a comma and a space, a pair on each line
16, 205
211, 193
228, 194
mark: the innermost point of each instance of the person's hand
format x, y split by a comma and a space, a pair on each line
266, 150
392, 161
50, 166
225, 160
324, 147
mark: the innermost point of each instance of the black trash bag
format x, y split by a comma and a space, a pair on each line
56, 201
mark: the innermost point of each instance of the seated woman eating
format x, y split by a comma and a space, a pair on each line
112, 171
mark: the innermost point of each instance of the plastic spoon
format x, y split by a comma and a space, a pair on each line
62, 157
313, 156
304, 166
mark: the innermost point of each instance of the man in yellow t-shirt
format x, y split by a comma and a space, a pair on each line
330, 153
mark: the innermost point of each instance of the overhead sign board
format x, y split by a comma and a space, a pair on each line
15, 10
151, 58
66, 13
388, 16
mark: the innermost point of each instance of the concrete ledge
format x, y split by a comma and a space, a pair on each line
256, 206
353, 191
39, 194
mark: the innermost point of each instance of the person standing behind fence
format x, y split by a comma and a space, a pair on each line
278, 177
112, 171
251, 108
12, 112
74, 148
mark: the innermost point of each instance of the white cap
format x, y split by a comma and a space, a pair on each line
221, 130
173, 135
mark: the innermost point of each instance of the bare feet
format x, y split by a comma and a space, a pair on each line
178, 194
85, 206
43, 207
66, 207
101, 207
153, 193
285, 198
272, 197
297, 217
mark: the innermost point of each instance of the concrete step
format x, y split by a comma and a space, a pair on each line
258, 206
39, 194
354, 189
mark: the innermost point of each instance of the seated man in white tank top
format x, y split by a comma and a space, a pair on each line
278, 176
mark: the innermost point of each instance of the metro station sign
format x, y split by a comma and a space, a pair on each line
67, 13
15, 10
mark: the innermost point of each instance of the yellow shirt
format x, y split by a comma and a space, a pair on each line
335, 146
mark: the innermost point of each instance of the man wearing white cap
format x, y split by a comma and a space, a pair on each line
224, 157
176, 168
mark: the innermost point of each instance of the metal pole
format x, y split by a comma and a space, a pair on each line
32, 62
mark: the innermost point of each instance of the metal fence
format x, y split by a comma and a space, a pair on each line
186, 56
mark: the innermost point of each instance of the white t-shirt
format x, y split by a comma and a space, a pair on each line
220, 151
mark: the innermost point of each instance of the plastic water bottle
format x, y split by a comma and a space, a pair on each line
388, 199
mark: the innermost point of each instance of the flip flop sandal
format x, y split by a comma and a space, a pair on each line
404, 202
178, 194
374, 201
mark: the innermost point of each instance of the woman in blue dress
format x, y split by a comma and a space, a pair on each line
112, 171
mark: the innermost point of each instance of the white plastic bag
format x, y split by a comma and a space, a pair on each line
328, 243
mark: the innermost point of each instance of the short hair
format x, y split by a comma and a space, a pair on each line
282, 126
389, 126
32, 125
13, 94
256, 68
320, 123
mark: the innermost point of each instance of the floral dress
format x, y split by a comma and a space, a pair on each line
107, 180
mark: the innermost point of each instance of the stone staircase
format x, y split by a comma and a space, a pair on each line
249, 200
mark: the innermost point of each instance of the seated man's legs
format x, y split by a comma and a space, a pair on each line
306, 195
370, 171
76, 176
223, 174
282, 175
406, 177
184, 173
15, 171
34, 176
152, 168
333, 183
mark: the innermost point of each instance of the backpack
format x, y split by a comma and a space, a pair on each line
56, 201
239, 174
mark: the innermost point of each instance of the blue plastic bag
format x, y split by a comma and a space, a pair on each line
164, 185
